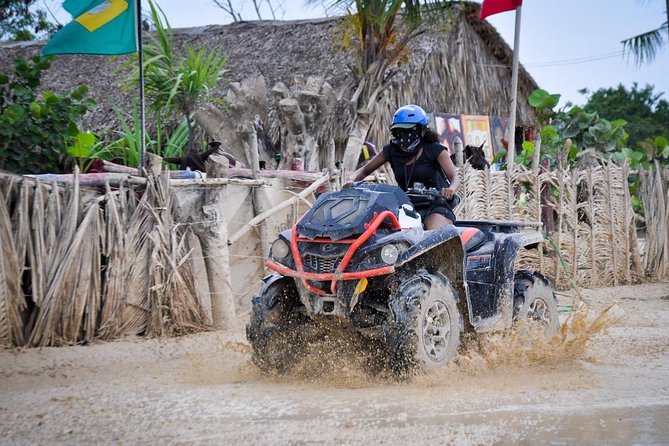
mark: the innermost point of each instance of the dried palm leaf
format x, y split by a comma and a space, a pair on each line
12, 301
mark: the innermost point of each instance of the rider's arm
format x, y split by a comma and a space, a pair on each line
373, 164
453, 178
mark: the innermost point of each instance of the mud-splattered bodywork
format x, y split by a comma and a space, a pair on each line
349, 253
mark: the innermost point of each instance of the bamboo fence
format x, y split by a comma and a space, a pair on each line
654, 190
78, 264
593, 241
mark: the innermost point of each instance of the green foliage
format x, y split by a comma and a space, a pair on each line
526, 155
645, 46
176, 83
646, 113
125, 145
85, 149
648, 151
20, 20
35, 132
585, 129
544, 103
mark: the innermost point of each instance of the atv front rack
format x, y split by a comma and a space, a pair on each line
340, 273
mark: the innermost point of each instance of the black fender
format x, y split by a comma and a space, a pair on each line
268, 281
434, 238
507, 251
441, 252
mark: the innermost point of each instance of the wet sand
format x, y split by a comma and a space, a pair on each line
604, 381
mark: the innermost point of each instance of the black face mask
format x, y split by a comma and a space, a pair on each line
407, 139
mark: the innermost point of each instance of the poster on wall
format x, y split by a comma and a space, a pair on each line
476, 131
449, 129
498, 128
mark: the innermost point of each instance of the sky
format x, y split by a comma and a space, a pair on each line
566, 45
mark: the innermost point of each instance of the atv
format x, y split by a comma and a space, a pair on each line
360, 258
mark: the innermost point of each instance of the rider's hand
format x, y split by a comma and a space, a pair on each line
447, 192
347, 184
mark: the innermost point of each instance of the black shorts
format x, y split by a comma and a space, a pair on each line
441, 206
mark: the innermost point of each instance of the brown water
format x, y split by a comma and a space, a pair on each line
603, 380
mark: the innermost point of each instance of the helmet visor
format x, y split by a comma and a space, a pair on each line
403, 125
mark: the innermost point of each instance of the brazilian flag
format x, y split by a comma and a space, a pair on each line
99, 27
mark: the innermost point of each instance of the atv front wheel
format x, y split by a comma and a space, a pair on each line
274, 329
424, 325
534, 301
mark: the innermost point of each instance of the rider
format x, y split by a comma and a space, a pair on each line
415, 155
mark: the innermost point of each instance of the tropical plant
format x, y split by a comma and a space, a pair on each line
35, 132
646, 113
646, 153
22, 20
379, 39
173, 82
645, 46
86, 149
126, 144
565, 132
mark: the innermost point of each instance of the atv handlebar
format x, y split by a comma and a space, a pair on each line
418, 190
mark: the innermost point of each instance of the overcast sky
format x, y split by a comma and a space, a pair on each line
566, 45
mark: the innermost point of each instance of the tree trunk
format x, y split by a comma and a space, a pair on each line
356, 138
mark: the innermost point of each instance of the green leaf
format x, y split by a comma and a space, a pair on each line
496, 159
665, 152
661, 141
83, 145
541, 99
35, 108
528, 148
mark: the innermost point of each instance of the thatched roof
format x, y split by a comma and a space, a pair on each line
463, 70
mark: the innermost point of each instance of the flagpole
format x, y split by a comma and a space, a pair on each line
511, 151
142, 131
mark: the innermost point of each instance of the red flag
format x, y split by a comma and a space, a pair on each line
490, 7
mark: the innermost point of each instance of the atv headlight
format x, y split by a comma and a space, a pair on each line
280, 249
389, 254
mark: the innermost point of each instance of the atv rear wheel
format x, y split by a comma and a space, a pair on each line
274, 329
424, 325
535, 301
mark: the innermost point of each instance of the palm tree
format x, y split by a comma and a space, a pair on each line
644, 47
380, 40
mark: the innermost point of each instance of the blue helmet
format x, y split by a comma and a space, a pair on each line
408, 116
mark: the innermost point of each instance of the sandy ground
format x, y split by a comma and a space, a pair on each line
606, 383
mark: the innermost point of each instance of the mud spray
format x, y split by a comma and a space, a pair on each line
333, 360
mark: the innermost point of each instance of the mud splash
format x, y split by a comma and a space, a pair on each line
525, 345
339, 360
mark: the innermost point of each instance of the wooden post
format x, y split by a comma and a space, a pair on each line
511, 194
573, 212
511, 151
613, 229
594, 274
537, 194
558, 244
215, 247
250, 140
628, 224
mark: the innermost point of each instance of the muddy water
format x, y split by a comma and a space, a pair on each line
603, 380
